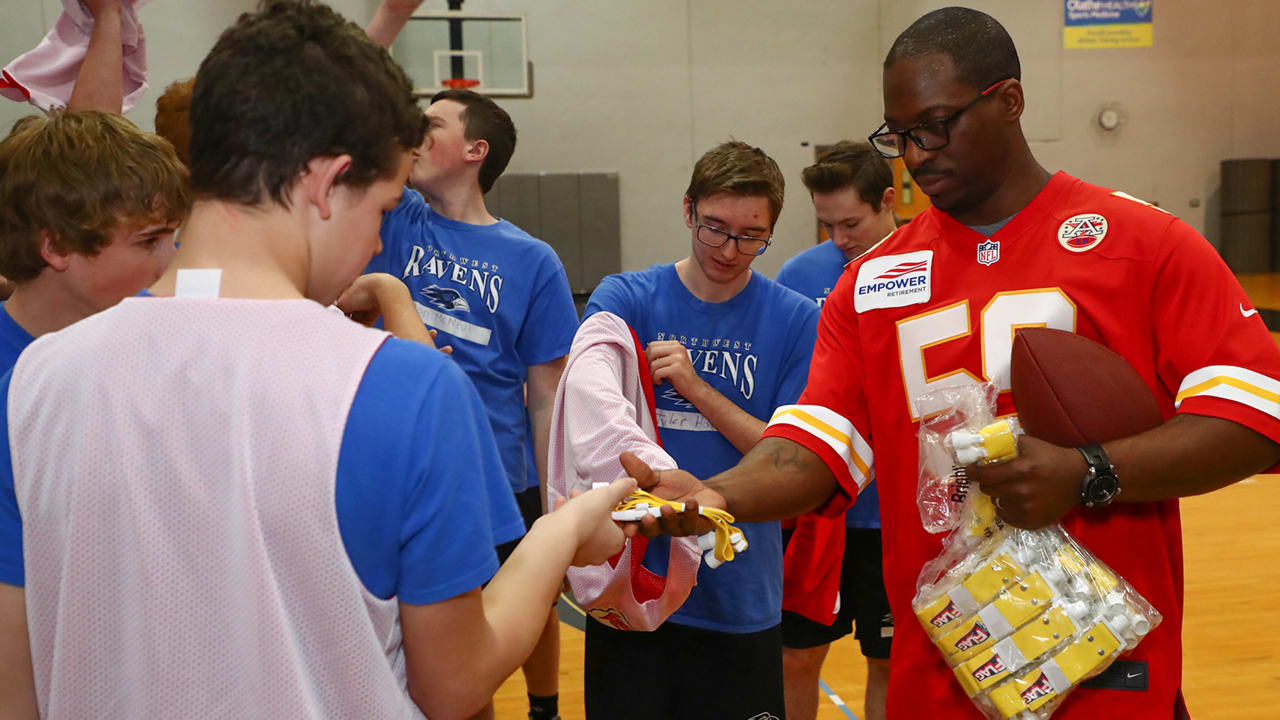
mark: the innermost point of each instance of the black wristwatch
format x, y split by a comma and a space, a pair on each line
1100, 485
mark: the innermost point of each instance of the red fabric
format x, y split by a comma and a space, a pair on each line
7, 81
1152, 290
646, 585
811, 567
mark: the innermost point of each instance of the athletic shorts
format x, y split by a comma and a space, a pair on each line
679, 672
530, 504
863, 602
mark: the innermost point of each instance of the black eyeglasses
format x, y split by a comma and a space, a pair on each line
932, 135
716, 238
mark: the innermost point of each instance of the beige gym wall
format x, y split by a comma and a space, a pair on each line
642, 87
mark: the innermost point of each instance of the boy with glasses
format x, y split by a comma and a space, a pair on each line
725, 346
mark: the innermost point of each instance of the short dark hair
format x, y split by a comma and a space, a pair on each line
978, 45
850, 164
741, 169
483, 119
80, 176
290, 83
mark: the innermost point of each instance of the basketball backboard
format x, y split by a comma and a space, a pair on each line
485, 52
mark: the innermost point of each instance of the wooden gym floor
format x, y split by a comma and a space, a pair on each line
1232, 554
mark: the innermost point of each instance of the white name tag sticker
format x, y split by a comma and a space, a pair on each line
198, 283
452, 325
681, 420
894, 281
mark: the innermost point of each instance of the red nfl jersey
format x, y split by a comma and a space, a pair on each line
937, 304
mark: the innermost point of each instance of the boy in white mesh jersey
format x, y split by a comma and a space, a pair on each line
223, 500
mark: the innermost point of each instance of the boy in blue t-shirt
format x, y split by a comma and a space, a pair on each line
75, 244
499, 297
852, 191
726, 346
284, 231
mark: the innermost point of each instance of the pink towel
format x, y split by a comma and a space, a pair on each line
46, 75
604, 405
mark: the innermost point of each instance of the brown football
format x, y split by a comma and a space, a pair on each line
1071, 391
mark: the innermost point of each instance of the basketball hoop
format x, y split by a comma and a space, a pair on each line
459, 83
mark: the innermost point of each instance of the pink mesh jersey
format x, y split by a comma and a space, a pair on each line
174, 463
604, 406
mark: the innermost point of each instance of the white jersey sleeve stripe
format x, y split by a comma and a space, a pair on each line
834, 430
1233, 383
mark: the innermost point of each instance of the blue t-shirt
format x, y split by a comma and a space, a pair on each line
754, 349
499, 296
13, 340
414, 524
813, 273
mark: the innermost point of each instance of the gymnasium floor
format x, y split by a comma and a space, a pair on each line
1232, 556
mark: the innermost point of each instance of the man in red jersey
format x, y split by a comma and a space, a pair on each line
1008, 244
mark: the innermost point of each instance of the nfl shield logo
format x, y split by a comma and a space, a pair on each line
989, 252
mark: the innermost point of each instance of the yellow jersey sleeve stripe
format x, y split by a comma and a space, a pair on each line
1233, 383
835, 431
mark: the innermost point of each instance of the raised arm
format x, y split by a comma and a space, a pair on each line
669, 362
375, 295
389, 19
100, 84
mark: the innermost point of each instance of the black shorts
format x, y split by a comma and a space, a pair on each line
530, 504
863, 602
679, 672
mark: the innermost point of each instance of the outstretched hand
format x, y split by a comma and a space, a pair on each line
599, 537
671, 485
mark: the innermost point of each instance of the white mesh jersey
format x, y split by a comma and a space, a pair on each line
174, 464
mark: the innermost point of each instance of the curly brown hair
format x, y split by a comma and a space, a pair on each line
173, 117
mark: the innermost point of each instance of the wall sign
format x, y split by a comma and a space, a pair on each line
1105, 24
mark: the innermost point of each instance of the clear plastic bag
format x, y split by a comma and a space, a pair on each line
1022, 617
943, 492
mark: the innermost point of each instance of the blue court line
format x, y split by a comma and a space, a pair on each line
837, 700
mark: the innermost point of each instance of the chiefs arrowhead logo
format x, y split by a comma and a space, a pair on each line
611, 617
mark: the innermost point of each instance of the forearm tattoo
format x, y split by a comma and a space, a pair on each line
786, 456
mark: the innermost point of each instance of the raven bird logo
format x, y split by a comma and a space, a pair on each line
445, 298
677, 398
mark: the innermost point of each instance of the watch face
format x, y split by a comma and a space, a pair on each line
1101, 488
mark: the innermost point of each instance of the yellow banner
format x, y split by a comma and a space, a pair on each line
1099, 37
